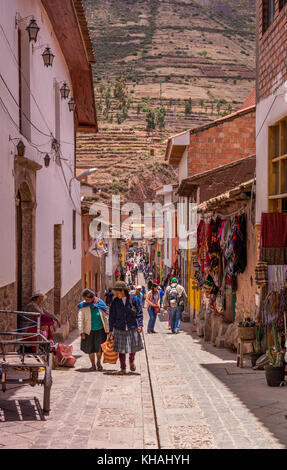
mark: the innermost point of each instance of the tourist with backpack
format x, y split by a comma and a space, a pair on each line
174, 300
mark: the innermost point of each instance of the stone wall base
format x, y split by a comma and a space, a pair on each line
216, 329
69, 306
8, 301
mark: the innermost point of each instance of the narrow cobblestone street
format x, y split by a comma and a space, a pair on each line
189, 391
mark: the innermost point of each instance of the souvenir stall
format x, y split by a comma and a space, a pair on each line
220, 257
271, 280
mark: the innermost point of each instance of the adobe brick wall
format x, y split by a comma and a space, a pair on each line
224, 142
8, 302
271, 52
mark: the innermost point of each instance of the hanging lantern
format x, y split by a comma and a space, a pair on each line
72, 104
33, 30
20, 149
48, 57
65, 91
47, 160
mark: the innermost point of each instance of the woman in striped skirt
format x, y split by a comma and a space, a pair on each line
126, 322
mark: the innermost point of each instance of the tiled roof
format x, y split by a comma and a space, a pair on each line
251, 100
80, 13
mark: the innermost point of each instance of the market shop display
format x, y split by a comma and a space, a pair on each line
221, 256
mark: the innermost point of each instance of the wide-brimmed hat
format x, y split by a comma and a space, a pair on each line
120, 285
38, 293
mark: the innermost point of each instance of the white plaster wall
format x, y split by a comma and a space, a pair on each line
183, 166
269, 111
54, 205
112, 256
168, 221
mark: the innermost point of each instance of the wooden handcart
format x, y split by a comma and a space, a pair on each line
15, 353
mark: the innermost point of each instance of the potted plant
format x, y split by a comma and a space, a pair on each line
246, 329
275, 371
258, 336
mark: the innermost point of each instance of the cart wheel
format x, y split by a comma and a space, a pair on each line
3, 380
47, 386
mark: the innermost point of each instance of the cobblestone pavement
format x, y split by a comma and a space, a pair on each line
202, 401
88, 409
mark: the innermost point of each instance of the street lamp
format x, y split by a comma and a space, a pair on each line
48, 57
82, 175
65, 91
33, 30
72, 105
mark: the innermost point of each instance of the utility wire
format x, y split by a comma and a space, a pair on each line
39, 109
28, 86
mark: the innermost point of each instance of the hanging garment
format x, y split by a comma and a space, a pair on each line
274, 255
225, 234
261, 273
274, 230
240, 245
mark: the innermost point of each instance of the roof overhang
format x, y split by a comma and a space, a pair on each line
176, 146
166, 189
239, 194
70, 26
187, 188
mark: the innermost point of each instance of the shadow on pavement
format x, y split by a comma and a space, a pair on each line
267, 404
20, 410
111, 372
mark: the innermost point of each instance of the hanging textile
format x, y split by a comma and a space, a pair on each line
274, 230
240, 245
274, 255
261, 273
98, 247
276, 277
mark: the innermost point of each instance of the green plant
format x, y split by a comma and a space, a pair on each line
276, 356
160, 117
258, 336
188, 107
150, 120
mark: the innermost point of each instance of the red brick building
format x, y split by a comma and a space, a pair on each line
218, 143
271, 109
271, 46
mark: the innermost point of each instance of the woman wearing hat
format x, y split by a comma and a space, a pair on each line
153, 306
48, 319
93, 327
126, 322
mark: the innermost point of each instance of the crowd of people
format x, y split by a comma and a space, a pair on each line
124, 304
120, 316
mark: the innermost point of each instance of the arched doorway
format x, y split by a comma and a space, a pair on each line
25, 244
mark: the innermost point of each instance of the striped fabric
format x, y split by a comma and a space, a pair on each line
127, 341
110, 356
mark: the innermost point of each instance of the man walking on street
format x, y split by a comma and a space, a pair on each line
175, 299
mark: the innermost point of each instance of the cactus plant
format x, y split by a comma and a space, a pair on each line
276, 357
258, 336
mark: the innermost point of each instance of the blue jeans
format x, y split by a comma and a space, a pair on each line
152, 319
175, 317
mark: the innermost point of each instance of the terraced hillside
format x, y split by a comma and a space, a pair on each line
169, 51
